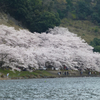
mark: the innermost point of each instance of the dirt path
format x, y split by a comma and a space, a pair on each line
4, 78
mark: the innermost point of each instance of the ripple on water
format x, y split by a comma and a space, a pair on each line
51, 89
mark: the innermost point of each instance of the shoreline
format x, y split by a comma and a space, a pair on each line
17, 78
46, 74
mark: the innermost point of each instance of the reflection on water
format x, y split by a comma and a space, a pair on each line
80, 88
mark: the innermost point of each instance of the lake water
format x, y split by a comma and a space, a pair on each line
78, 88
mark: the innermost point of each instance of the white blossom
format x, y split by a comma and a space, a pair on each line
58, 47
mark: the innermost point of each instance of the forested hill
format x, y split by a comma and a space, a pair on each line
31, 13
80, 16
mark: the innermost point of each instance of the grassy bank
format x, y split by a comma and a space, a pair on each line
44, 74
25, 74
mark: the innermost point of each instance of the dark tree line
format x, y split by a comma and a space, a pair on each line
31, 13
38, 16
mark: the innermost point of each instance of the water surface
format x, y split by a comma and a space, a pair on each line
80, 88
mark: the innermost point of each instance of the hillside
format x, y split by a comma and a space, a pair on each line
56, 47
83, 28
79, 16
8, 20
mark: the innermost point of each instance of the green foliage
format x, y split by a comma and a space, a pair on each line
96, 44
97, 49
61, 14
44, 21
25, 74
69, 2
96, 29
39, 15
73, 16
96, 13
32, 14
95, 17
83, 10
